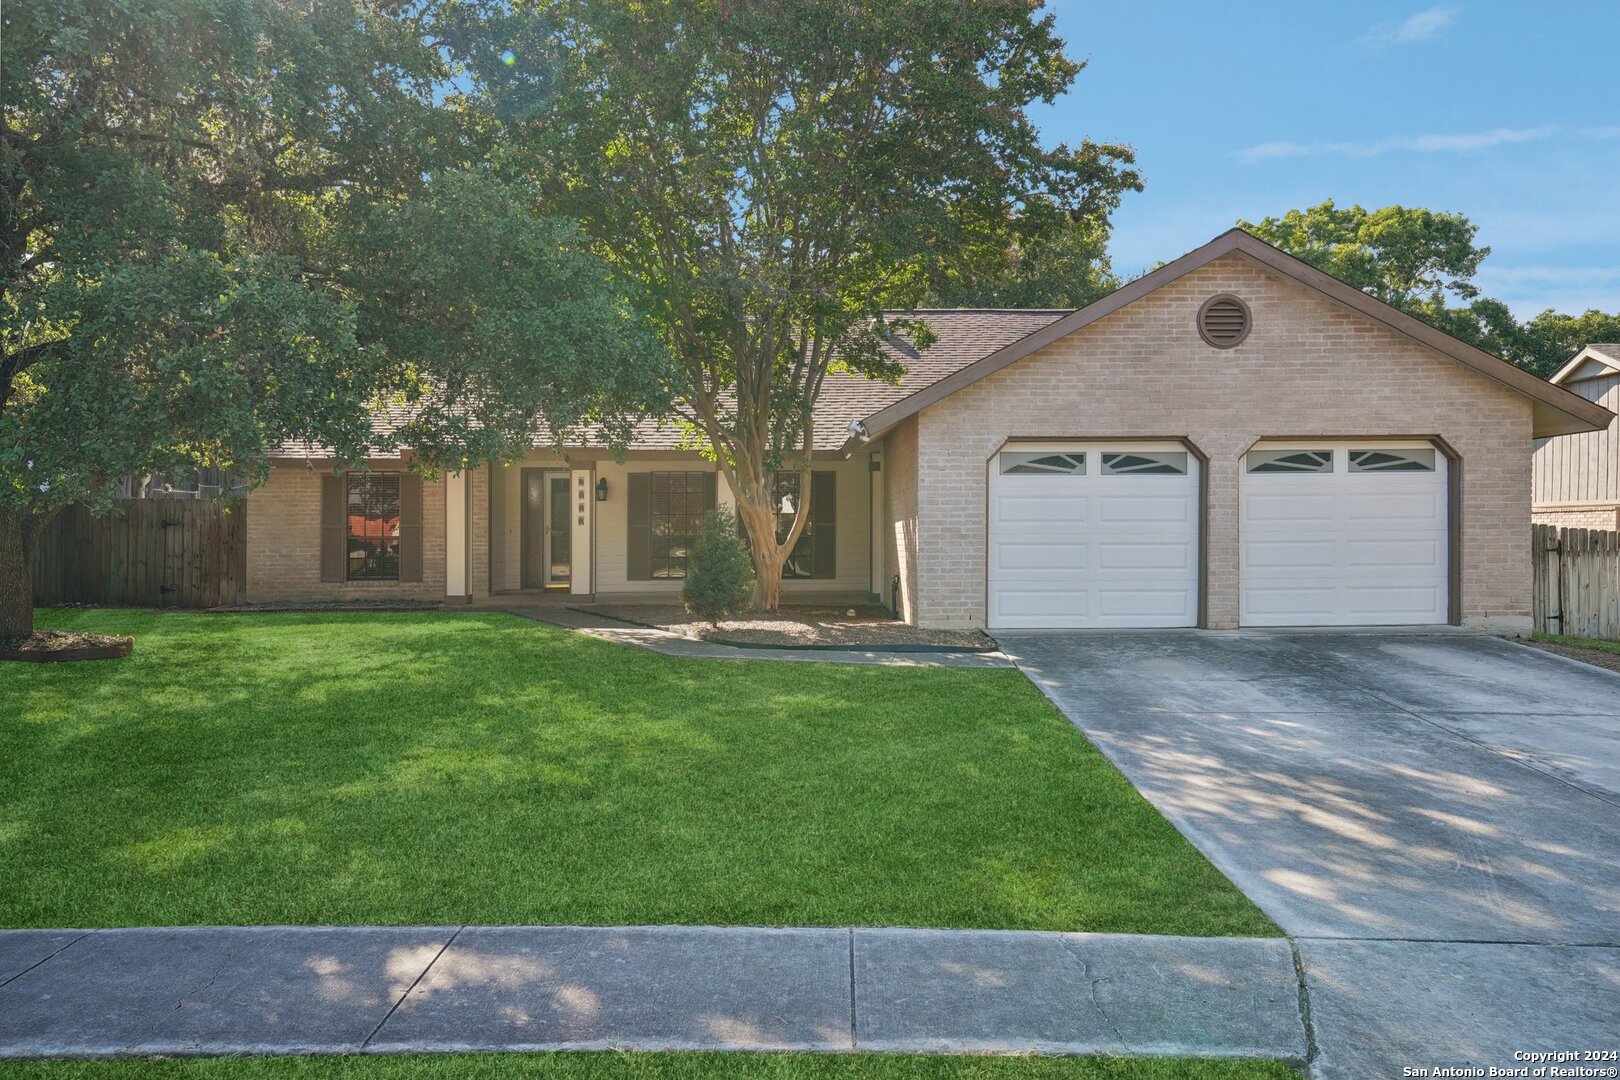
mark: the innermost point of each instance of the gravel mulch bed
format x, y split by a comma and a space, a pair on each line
58, 646
1603, 658
797, 626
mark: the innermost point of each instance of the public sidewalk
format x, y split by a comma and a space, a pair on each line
374, 989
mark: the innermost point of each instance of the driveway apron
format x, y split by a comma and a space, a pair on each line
1434, 818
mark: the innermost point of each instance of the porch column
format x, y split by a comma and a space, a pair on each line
582, 515
455, 538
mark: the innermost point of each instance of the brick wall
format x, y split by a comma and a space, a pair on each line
284, 542
478, 525
1578, 517
1309, 367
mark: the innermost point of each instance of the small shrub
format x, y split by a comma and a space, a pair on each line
719, 573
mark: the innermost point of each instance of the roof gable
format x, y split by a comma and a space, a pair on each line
1557, 411
1596, 361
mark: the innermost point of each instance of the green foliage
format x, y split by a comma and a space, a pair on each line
1407, 257
230, 769
780, 173
1065, 266
719, 571
656, 1065
510, 331
232, 224
165, 168
1553, 338
1420, 261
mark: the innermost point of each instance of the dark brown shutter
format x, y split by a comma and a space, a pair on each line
711, 492
824, 524
410, 527
638, 516
334, 527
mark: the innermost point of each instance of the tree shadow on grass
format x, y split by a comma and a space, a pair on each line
428, 768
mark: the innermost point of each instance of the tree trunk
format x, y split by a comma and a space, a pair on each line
18, 532
760, 524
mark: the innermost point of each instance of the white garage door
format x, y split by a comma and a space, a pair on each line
1344, 534
1093, 535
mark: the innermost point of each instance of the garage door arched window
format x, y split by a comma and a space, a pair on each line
1415, 460
1289, 461
1024, 463
1165, 463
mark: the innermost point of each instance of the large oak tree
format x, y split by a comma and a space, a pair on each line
227, 224
779, 174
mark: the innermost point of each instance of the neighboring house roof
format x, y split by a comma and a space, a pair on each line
1557, 411
1598, 358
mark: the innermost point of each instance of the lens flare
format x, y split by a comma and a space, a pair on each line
509, 58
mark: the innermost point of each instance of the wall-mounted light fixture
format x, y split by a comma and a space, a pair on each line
601, 490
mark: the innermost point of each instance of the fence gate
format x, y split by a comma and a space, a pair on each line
184, 553
1577, 581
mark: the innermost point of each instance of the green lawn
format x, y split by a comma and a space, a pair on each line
1584, 642
619, 1066
480, 768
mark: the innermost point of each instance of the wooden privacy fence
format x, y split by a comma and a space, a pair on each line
1577, 581
148, 552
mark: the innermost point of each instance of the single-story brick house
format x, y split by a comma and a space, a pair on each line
1233, 439
1577, 477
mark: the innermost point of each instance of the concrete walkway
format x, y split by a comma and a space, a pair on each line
343, 990
1433, 817
668, 644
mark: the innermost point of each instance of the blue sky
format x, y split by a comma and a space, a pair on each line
1507, 112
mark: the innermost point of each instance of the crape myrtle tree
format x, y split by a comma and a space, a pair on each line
217, 219
779, 174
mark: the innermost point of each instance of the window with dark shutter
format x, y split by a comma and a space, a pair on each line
372, 532
664, 519
410, 527
815, 555
334, 527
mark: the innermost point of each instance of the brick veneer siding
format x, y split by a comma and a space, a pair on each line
478, 553
1309, 367
900, 515
1578, 517
284, 542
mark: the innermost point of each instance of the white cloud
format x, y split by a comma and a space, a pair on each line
1419, 144
1424, 26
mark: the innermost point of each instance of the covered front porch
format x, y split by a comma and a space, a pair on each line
584, 527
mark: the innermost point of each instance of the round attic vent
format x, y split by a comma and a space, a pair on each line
1223, 321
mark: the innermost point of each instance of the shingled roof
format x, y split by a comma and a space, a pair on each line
963, 337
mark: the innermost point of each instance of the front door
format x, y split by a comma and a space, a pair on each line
547, 535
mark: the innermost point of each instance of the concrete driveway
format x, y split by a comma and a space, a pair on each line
1434, 818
